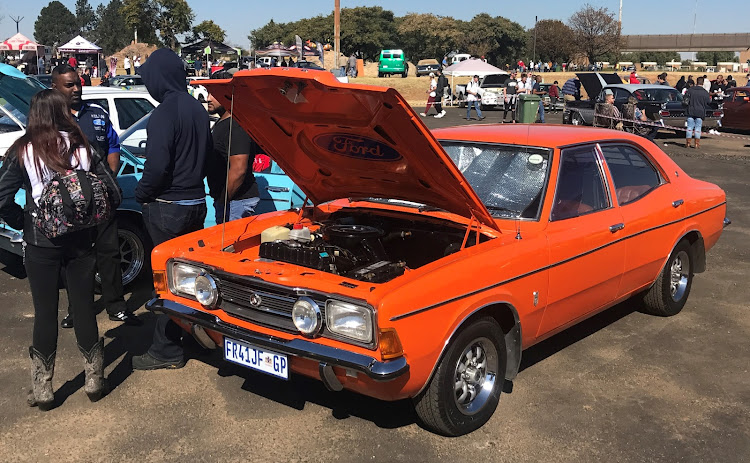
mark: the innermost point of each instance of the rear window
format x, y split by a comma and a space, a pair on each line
658, 95
396, 56
386, 55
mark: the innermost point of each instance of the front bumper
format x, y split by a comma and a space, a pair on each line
375, 369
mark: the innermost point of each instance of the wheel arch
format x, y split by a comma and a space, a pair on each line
698, 249
506, 316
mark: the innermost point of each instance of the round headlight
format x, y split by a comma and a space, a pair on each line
206, 291
306, 316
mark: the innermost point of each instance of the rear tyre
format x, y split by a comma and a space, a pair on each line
465, 389
404, 74
669, 293
380, 74
576, 119
135, 251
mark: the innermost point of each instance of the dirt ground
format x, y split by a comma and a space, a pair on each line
619, 387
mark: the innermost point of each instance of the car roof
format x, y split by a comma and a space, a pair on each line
105, 91
634, 87
537, 135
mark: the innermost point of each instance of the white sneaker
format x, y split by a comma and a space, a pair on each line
423, 114
442, 113
438, 116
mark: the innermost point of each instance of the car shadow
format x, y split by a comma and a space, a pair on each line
13, 264
578, 332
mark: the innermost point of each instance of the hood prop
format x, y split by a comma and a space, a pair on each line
475, 225
226, 179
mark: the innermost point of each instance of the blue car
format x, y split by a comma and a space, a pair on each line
277, 191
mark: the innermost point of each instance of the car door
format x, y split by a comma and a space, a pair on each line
277, 191
651, 211
737, 109
586, 254
130, 110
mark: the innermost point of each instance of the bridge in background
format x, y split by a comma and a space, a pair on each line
688, 42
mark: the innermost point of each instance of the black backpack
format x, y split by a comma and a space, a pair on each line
72, 200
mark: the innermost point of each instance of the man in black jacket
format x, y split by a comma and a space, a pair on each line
442, 82
698, 103
171, 188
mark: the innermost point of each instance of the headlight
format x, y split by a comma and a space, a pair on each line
182, 279
306, 316
206, 291
349, 320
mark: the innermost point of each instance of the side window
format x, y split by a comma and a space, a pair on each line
740, 95
99, 102
130, 110
633, 174
621, 95
580, 186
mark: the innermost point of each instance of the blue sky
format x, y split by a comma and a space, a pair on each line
238, 17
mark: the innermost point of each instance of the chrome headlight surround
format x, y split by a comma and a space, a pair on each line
307, 317
181, 278
206, 291
350, 321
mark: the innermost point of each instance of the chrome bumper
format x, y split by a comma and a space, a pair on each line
375, 369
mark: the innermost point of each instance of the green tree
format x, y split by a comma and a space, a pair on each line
208, 30
428, 36
268, 34
173, 17
554, 41
367, 30
111, 33
140, 16
498, 39
596, 32
85, 17
55, 25
713, 57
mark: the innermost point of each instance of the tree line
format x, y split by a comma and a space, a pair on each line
113, 25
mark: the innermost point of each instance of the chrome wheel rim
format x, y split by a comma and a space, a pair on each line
576, 119
679, 272
132, 256
475, 376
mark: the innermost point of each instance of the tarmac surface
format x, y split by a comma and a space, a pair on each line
621, 386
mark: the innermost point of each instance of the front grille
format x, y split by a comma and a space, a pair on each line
259, 302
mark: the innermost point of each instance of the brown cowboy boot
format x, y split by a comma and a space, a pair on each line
94, 384
42, 370
687, 143
697, 143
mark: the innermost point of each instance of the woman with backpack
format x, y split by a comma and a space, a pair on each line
69, 189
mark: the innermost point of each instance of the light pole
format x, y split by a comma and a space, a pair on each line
337, 32
533, 54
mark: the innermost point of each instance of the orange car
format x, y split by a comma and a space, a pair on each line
430, 260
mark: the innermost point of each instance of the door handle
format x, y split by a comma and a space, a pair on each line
616, 227
678, 203
277, 189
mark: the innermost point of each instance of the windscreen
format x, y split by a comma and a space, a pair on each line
133, 140
509, 180
495, 80
15, 95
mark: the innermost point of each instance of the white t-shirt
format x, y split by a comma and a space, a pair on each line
707, 85
38, 183
472, 91
126, 63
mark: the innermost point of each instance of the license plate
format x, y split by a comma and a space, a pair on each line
256, 358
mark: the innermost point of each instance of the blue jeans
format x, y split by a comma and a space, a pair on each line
694, 124
476, 106
541, 112
238, 209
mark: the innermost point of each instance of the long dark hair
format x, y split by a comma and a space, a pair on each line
49, 116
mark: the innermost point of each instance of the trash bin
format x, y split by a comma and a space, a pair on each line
528, 106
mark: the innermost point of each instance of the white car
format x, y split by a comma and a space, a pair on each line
125, 108
198, 92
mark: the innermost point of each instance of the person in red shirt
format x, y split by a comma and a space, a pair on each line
634, 78
73, 62
554, 95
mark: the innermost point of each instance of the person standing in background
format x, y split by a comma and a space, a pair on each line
136, 64
473, 98
698, 103
73, 62
126, 64
442, 83
554, 96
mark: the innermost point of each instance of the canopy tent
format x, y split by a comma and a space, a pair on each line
20, 42
471, 67
79, 45
306, 50
216, 48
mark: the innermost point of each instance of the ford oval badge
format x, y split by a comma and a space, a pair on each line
356, 146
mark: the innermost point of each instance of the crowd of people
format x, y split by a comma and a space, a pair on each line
71, 151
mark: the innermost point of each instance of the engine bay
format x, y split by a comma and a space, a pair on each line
363, 246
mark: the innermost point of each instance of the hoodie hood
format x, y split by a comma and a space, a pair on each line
163, 72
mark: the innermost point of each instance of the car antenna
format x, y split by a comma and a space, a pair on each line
226, 180
518, 228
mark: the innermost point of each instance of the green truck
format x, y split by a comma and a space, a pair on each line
392, 62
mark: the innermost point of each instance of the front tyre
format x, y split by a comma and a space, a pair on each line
669, 293
465, 389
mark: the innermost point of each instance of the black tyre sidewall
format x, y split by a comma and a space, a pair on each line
455, 422
123, 223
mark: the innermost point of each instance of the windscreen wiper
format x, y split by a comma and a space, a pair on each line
503, 209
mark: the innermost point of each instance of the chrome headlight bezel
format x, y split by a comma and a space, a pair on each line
314, 313
181, 278
210, 299
337, 310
